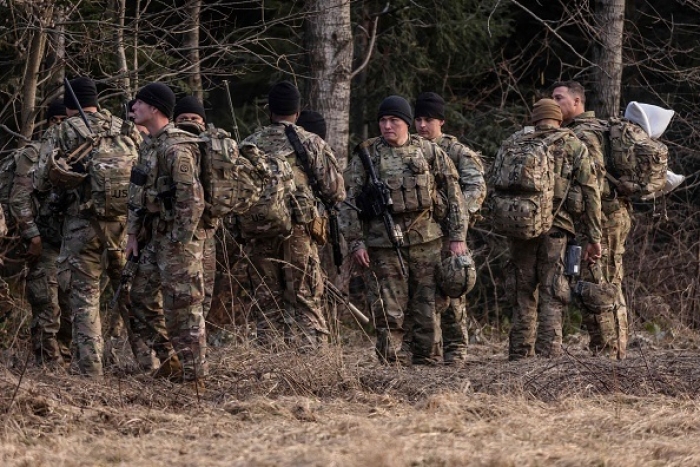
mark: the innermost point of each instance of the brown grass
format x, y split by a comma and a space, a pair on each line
340, 408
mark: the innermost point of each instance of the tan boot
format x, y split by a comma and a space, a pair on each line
170, 369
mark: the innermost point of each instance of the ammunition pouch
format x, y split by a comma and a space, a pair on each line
318, 228
139, 175
303, 208
166, 194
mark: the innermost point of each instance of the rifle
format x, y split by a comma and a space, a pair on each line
69, 88
379, 203
233, 112
337, 295
334, 226
132, 264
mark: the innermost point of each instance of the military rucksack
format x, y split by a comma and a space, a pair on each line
109, 157
231, 184
271, 215
635, 157
521, 203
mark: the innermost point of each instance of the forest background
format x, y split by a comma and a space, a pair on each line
491, 60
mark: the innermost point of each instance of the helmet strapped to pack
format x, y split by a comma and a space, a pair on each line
456, 275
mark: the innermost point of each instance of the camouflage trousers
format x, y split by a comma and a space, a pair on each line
404, 308
287, 285
167, 293
209, 269
541, 292
453, 328
616, 226
51, 317
90, 246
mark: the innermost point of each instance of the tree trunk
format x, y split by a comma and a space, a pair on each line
192, 46
123, 81
329, 40
55, 62
40, 16
609, 22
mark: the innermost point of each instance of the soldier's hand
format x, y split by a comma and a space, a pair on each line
593, 252
361, 257
458, 248
34, 249
132, 246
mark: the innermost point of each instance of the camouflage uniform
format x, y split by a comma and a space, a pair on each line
168, 289
285, 273
453, 320
91, 244
51, 320
400, 302
616, 225
542, 290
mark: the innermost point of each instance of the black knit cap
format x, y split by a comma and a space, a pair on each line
284, 98
85, 91
430, 105
56, 109
312, 121
159, 96
189, 105
396, 106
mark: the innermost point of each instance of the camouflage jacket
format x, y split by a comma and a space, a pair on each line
29, 207
584, 125
322, 161
573, 161
470, 170
417, 226
172, 190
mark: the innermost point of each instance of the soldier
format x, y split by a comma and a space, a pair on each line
189, 115
41, 228
88, 163
166, 202
429, 119
616, 218
284, 270
417, 172
542, 290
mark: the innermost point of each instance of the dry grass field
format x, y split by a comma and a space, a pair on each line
340, 408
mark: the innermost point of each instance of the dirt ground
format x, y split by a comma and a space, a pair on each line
340, 408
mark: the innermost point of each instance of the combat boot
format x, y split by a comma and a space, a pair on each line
390, 348
170, 369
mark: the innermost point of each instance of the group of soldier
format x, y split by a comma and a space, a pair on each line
154, 213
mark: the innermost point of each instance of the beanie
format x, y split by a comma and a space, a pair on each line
56, 109
545, 108
312, 121
159, 96
284, 98
396, 106
85, 92
430, 105
189, 105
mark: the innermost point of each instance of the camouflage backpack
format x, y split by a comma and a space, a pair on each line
231, 184
635, 157
271, 215
521, 203
108, 167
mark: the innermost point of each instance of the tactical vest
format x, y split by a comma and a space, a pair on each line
407, 173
